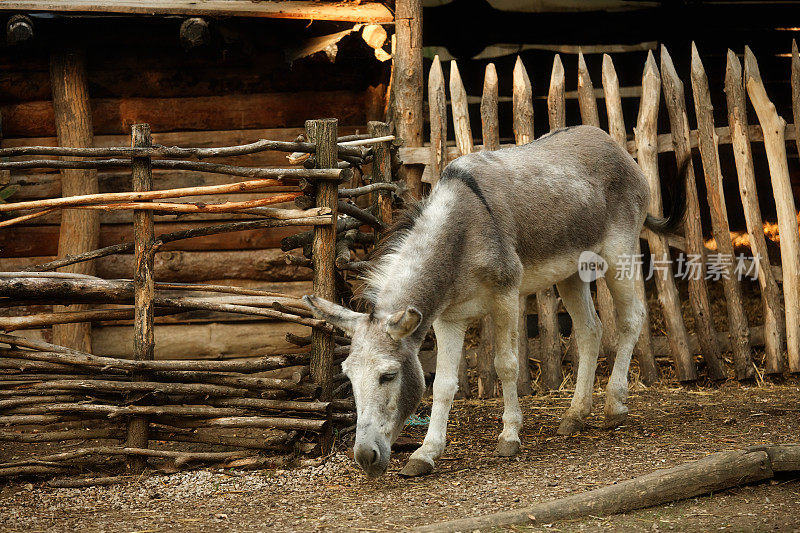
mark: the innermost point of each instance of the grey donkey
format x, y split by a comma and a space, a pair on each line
496, 226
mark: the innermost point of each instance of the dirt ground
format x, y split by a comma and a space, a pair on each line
667, 426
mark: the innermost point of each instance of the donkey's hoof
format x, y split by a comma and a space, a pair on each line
613, 420
570, 426
507, 448
416, 467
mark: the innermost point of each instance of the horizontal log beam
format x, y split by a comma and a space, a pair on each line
228, 112
373, 12
420, 155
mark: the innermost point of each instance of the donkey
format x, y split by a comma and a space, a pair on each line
497, 225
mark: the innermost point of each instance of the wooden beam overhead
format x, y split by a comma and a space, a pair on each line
293, 9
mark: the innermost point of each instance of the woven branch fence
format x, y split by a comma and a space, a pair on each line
263, 411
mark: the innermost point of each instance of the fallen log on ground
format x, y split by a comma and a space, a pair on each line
713, 473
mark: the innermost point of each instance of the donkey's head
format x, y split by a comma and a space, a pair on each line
385, 373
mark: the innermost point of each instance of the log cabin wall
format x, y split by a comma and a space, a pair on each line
236, 86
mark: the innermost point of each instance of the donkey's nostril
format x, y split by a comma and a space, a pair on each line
366, 455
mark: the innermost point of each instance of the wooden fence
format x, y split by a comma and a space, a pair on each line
285, 404
780, 334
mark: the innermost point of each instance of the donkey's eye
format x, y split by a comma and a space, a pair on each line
386, 378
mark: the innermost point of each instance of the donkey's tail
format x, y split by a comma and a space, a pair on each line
677, 213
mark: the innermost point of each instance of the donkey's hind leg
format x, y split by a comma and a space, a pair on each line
506, 362
577, 299
630, 318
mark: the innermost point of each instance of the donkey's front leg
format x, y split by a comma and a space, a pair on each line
449, 343
506, 363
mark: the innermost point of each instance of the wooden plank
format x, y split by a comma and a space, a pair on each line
523, 134
488, 384
373, 12
225, 112
30, 241
407, 83
605, 303
437, 104
693, 231
79, 231
648, 369
645, 137
774, 128
709, 152
458, 101
143, 287
191, 266
770, 293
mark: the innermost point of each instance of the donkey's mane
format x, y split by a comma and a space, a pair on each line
389, 243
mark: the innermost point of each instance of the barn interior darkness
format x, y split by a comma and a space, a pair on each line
465, 28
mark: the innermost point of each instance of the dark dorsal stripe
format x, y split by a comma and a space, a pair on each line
454, 172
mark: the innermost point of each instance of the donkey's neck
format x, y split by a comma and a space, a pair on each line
420, 268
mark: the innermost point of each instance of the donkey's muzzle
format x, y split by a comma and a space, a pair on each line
370, 457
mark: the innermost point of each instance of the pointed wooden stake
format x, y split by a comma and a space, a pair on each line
647, 149
458, 101
698, 289
737, 120
774, 128
437, 102
616, 125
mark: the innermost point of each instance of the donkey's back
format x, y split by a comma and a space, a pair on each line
568, 191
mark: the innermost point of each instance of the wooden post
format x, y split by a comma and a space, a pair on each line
437, 103
708, 142
323, 133
605, 303
647, 149
774, 128
488, 385
458, 101
80, 228
546, 300
795, 81
555, 96
407, 79
648, 368
693, 231
463, 133
381, 170
522, 100
143, 286
770, 293
489, 120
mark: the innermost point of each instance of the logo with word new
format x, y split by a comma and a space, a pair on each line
591, 266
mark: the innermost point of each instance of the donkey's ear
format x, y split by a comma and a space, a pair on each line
403, 323
341, 317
